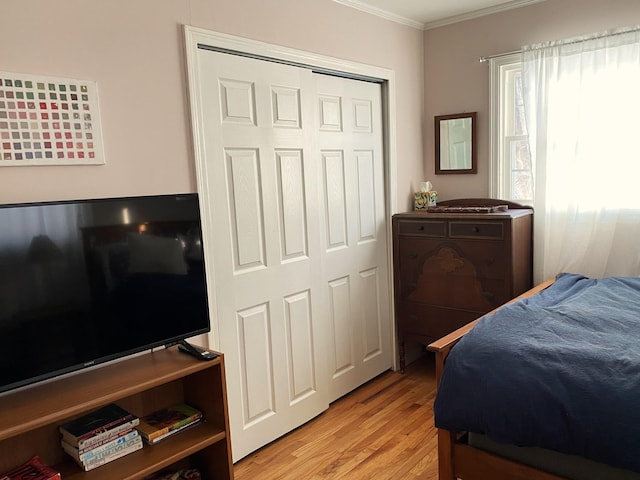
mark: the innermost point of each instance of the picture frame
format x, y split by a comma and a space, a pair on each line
47, 120
456, 148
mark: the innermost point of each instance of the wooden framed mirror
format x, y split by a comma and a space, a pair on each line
455, 139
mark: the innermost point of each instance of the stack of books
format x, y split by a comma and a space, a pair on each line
101, 436
34, 469
167, 421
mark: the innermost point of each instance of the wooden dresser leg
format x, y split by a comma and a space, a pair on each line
401, 345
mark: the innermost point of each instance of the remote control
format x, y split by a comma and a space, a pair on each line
199, 353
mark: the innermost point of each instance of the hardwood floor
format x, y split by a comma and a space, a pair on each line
382, 430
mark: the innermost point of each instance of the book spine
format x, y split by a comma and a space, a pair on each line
187, 421
75, 440
110, 438
109, 434
151, 436
93, 452
156, 439
109, 447
120, 451
105, 427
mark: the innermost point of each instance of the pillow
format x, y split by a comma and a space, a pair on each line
153, 254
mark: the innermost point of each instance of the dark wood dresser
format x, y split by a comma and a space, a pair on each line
451, 267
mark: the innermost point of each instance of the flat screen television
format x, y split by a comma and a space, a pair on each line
89, 281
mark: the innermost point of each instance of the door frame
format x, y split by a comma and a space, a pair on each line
195, 36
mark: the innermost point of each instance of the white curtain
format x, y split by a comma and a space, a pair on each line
582, 104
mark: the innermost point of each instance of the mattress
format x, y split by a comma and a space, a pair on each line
559, 370
569, 466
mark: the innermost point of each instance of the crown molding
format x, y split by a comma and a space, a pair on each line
379, 12
480, 13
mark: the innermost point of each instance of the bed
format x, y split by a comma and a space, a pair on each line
545, 387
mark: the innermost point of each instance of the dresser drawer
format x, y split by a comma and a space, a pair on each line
432, 321
413, 251
490, 258
429, 228
471, 229
497, 291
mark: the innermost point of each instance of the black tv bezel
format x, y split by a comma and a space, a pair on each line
101, 361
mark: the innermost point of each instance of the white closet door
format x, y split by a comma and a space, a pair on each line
261, 179
349, 140
294, 237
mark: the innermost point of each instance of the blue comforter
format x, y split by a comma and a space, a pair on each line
559, 370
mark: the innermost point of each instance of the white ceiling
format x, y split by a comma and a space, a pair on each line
427, 14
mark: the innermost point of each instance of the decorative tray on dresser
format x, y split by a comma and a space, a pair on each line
457, 261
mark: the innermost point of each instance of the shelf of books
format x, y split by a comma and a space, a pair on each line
128, 420
150, 458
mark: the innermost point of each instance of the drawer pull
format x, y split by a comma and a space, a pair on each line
413, 318
413, 255
490, 260
412, 285
475, 229
421, 228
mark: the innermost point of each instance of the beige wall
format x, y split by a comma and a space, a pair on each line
455, 81
134, 50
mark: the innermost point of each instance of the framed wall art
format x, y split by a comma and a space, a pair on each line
49, 121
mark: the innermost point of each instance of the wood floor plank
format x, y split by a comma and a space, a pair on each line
382, 430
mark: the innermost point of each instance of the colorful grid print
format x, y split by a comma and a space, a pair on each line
48, 121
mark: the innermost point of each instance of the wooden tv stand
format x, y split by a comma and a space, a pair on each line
30, 417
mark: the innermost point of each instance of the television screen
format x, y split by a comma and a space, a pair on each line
85, 282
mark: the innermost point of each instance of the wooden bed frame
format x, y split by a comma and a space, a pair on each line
457, 459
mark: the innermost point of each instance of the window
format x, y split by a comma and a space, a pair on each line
511, 169
575, 159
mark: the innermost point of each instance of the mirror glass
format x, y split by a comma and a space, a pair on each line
455, 139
